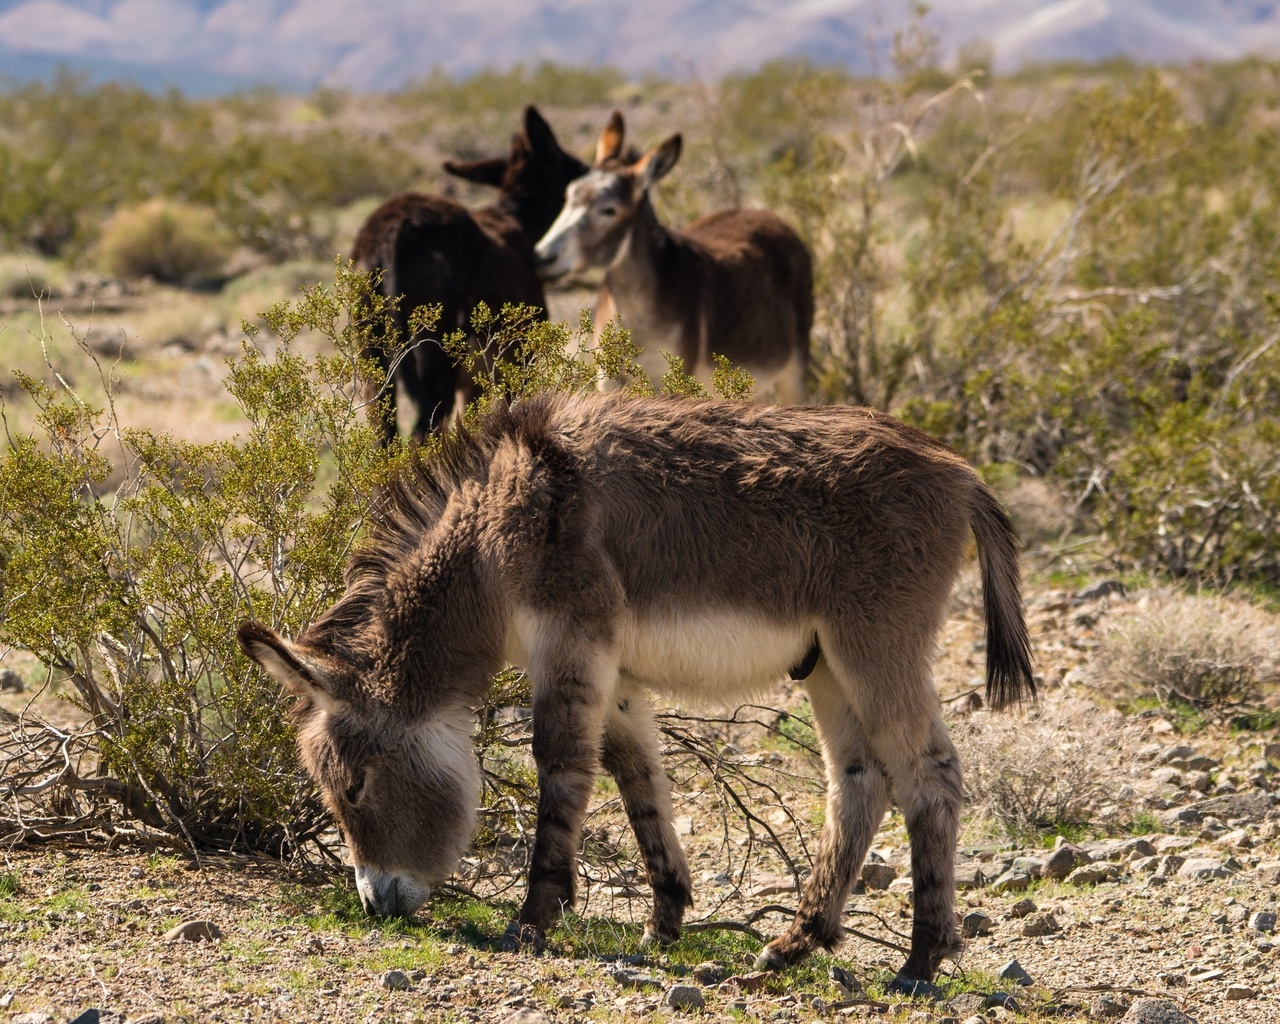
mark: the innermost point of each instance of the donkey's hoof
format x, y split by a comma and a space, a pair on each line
658, 937
915, 988
521, 938
771, 959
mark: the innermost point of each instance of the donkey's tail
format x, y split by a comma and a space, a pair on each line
1009, 676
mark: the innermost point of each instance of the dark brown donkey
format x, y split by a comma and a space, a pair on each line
433, 250
738, 283
619, 548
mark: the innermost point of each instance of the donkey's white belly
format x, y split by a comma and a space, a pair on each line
704, 656
709, 655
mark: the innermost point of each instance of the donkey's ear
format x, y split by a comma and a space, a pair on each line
482, 172
657, 163
609, 145
298, 671
538, 134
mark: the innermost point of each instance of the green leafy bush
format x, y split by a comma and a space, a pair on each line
172, 242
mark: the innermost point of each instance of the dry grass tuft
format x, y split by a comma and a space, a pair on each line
1058, 764
1203, 650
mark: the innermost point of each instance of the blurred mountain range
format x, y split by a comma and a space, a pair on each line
205, 46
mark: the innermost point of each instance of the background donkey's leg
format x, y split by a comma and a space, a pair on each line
631, 756
897, 699
857, 797
571, 686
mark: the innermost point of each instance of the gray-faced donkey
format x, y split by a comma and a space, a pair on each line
621, 547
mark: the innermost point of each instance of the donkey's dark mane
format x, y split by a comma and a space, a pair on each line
415, 498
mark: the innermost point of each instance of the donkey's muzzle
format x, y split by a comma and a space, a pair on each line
387, 895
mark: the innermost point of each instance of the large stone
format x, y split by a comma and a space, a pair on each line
1234, 806
1040, 924
1170, 865
1023, 908
395, 981
970, 876
1011, 881
1240, 992
1093, 874
1155, 1011
1179, 753
975, 923
629, 978
1033, 866
11, 681
685, 997
1204, 867
1062, 861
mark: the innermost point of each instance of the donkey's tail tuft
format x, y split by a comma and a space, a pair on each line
1009, 675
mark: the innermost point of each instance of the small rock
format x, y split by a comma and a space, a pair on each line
1272, 752
710, 972
1155, 1011
193, 931
1173, 844
683, 826
90, 1016
1012, 971
844, 981
1003, 1000
1237, 805
753, 981
1170, 865
11, 681
970, 876
1179, 753
396, 981
878, 876
1167, 776
136, 872
1105, 1006
1040, 924
1101, 589
32, 1018
1023, 908
685, 997
1268, 872
1199, 782
1263, 921
1204, 974
1240, 992
6, 1001
1032, 866
527, 1016
628, 978
1203, 867
976, 923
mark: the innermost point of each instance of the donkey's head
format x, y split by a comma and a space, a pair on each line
403, 792
600, 208
533, 176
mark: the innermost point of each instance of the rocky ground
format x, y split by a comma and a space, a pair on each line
1164, 910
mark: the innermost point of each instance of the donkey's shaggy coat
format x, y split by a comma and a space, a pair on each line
622, 547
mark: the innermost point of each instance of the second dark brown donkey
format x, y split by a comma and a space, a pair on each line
620, 548
431, 249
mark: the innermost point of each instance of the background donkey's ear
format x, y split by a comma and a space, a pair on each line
482, 172
609, 145
657, 163
298, 671
541, 139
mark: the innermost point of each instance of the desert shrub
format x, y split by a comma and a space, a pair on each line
1205, 650
505, 92
1057, 765
71, 154
132, 592
172, 242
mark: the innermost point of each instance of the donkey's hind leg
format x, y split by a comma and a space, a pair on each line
857, 796
897, 699
631, 756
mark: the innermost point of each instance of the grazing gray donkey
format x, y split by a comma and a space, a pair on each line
620, 547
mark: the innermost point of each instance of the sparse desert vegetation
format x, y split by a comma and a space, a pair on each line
1069, 274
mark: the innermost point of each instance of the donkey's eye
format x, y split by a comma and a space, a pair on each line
352, 793
609, 211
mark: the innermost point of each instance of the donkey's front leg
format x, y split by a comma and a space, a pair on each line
569, 698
